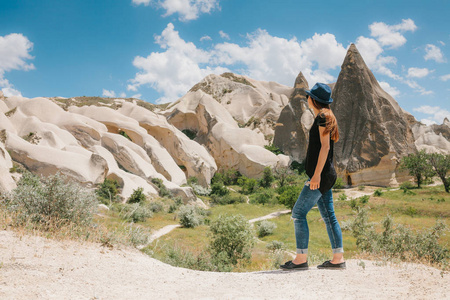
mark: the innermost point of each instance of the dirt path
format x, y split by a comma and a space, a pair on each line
37, 268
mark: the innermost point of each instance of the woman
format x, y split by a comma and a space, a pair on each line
317, 190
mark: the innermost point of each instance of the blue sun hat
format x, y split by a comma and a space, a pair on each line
321, 93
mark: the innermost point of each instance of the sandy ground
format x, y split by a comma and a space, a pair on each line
37, 268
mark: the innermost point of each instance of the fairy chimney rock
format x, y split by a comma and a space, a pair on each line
446, 122
291, 132
374, 131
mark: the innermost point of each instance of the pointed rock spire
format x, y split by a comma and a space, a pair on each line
446, 122
372, 126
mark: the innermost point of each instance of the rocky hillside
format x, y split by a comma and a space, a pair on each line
90, 139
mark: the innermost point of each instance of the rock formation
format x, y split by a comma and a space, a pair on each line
231, 146
292, 128
374, 131
253, 104
432, 138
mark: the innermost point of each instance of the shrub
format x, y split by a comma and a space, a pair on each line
163, 191
192, 180
284, 175
289, 195
263, 197
231, 240
137, 196
353, 203
219, 189
200, 190
266, 228
342, 197
227, 199
299, 167
226, 177
184, 258
156, 207
52, 199
177, 202
274, 149
411, 211
406, 186
361, 187
249, 185
189, 217
276, 246
107, 191
397, 241
364, 199
135, 212
378, 193
268, 178
339, 184
124, 134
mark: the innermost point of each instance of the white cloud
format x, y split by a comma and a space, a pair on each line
445, 77
442, 43
427, 122
186, 9
434, 53
107, 93
418, 72
205, 38
224, 35
174, 71
437, 114
122, 95
391, 90
137, 96
14, 51
9, 92
390, 35
181, 64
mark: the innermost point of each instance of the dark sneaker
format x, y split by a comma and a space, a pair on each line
291, 266
329, 265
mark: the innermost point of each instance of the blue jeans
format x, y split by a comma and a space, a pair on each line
307, 199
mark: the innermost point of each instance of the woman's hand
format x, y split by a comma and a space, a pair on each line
314, 183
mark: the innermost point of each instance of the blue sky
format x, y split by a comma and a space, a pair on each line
157, 49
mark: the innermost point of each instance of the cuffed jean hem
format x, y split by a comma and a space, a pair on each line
337, 250
302, 251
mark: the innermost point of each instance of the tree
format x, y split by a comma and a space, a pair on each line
267, 179
441, 165
284, 175
418, 166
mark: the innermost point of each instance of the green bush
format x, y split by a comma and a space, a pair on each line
267, 179
299, 167
364, 199
231, 240
266, 228
397, 241
378, 193
137, 196
184, 258
411, 211
135, 212
227, 199
191, 134
163, 191
189, 216
262, 197
339, 184
288, 195
274, 149
276, 246
226, 177
53, 199
156, 207
108, 191
342, 197
361, 187
249, 185
177, 202
219, 189
192, 180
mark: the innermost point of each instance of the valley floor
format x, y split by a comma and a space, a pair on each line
37, 268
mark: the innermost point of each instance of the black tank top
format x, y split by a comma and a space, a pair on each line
328, 175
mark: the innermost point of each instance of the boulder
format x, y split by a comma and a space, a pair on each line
374, 131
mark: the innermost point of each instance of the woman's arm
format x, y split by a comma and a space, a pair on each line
323, 154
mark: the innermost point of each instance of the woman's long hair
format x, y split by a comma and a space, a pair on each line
331, 125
